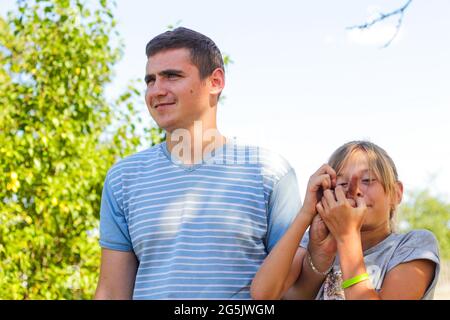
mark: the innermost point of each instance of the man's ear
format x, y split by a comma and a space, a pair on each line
217, 81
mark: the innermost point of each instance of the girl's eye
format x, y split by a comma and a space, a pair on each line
343, 184
367, 181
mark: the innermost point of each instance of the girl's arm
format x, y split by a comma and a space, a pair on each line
319, 255
287, 272
408, 280
283, 265
279, 270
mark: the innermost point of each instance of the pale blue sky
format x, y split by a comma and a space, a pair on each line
302, 85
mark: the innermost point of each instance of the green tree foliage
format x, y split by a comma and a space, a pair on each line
58, 137
424, 211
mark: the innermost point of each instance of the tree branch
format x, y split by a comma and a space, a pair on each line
398, 12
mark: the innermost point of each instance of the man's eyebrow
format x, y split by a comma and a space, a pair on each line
149, 77
170, 72
164, 73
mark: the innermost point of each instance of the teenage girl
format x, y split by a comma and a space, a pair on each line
352, 250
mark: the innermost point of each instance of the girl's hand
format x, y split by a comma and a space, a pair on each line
322, 245
322, 179
321, 240
340, 216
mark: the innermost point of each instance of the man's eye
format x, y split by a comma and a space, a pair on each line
172, 76
343, 184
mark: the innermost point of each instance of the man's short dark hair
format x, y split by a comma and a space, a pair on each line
205, 55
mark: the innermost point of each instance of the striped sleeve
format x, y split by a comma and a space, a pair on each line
114, 233
284, 204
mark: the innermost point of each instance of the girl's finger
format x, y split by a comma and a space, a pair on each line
326, 169
323, 181
340, 195
329, 197
320, 209
360, 202
325, 205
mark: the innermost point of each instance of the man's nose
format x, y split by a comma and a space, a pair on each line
354, 188
157, 89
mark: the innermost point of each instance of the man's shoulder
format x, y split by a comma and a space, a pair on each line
271, 162
145, 157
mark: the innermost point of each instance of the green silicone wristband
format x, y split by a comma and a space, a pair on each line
352, 281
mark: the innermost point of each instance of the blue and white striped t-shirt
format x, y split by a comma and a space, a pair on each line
200, 231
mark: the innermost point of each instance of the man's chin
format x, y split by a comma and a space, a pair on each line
167, 126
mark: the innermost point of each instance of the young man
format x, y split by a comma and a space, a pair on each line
195, 216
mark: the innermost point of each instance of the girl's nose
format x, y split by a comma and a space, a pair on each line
354, 188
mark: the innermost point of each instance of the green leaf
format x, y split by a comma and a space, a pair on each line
60, 134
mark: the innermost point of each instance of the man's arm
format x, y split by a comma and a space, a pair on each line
117, 275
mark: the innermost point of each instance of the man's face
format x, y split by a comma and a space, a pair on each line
175, 95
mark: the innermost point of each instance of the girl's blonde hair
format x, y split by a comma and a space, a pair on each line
380, 164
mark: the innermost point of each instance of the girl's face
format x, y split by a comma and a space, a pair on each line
357, 180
